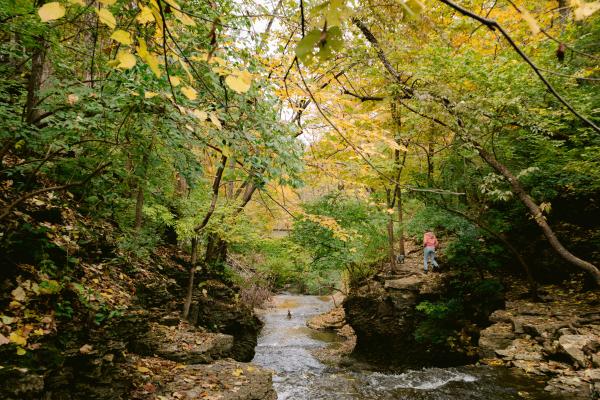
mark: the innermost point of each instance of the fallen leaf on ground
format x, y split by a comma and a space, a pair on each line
86, 349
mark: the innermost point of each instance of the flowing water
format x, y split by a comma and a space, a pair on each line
286, 346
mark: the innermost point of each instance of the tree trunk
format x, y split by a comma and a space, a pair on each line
216, 251
390, 230
139, 206
564, 12
430, 155
190, 289
401, 249
537, 215
530, 280
36, 77
141, 185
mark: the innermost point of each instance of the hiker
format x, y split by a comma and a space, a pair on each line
430, 242
289, 315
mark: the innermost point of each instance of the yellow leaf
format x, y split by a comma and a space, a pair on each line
143, 369
3, 340
199, 58
142, 50
86, 349
148, 57
126, 60
145, 15
14, 304
218, 60
78, 2
184, 18
237, 372
152, 62
19, 294
215, 120
186, 69
149, 95
122, 37
240, 81
16, 338
201, 115
585, 10
108, 2
106, 18
175, 80
21, 351
533, 24
38, 332
51, 11
189, 92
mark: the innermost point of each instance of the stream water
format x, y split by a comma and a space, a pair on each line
286, 346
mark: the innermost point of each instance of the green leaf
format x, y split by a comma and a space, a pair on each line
307, 44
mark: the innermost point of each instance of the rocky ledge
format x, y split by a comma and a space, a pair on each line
224, 379
558, 339
334, 321
383, 314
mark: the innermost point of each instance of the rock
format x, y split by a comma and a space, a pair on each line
385, 320
522, 349
501, 316
592, 375
530, 367
573, 345
20, 384
332, 320
220, 312
517, 325
188, 345
411, 283
543, 328
495, 337
224, 379
569, 385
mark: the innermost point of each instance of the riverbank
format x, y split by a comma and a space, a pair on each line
107, 325
557, 338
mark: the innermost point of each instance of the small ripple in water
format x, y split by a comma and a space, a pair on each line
426, 379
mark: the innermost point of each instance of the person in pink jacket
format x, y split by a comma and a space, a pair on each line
430, 242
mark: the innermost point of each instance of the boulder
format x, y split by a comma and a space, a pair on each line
332, 320
495, 337
219, 310
225, 379
411, 283
501, 316
188, 345
522, 349
570, 386
572, 345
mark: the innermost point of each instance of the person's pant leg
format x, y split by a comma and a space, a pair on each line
425, 256
433, 262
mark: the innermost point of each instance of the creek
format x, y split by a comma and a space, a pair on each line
287, 347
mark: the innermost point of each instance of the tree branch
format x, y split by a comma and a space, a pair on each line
26, 196
494, 25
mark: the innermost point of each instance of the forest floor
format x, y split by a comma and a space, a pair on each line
99, 323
